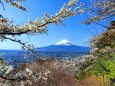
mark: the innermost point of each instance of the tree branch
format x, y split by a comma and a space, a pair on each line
2, 5
14, 79
23, 44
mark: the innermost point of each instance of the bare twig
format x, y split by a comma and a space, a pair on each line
23, 44
2, 5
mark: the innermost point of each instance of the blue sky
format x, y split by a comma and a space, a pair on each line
75, 30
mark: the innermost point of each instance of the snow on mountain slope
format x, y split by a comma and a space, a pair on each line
64, 42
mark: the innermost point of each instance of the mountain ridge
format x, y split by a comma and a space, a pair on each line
64, 48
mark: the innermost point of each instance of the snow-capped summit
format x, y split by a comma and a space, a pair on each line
64, 42
64, 46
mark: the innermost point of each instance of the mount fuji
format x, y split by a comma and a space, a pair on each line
64, 46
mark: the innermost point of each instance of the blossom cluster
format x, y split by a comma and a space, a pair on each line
15, 4
40, 26
100, 10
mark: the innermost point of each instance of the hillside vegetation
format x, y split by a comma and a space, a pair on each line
101, 60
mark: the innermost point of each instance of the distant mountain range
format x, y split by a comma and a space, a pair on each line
63, 49
64, 46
